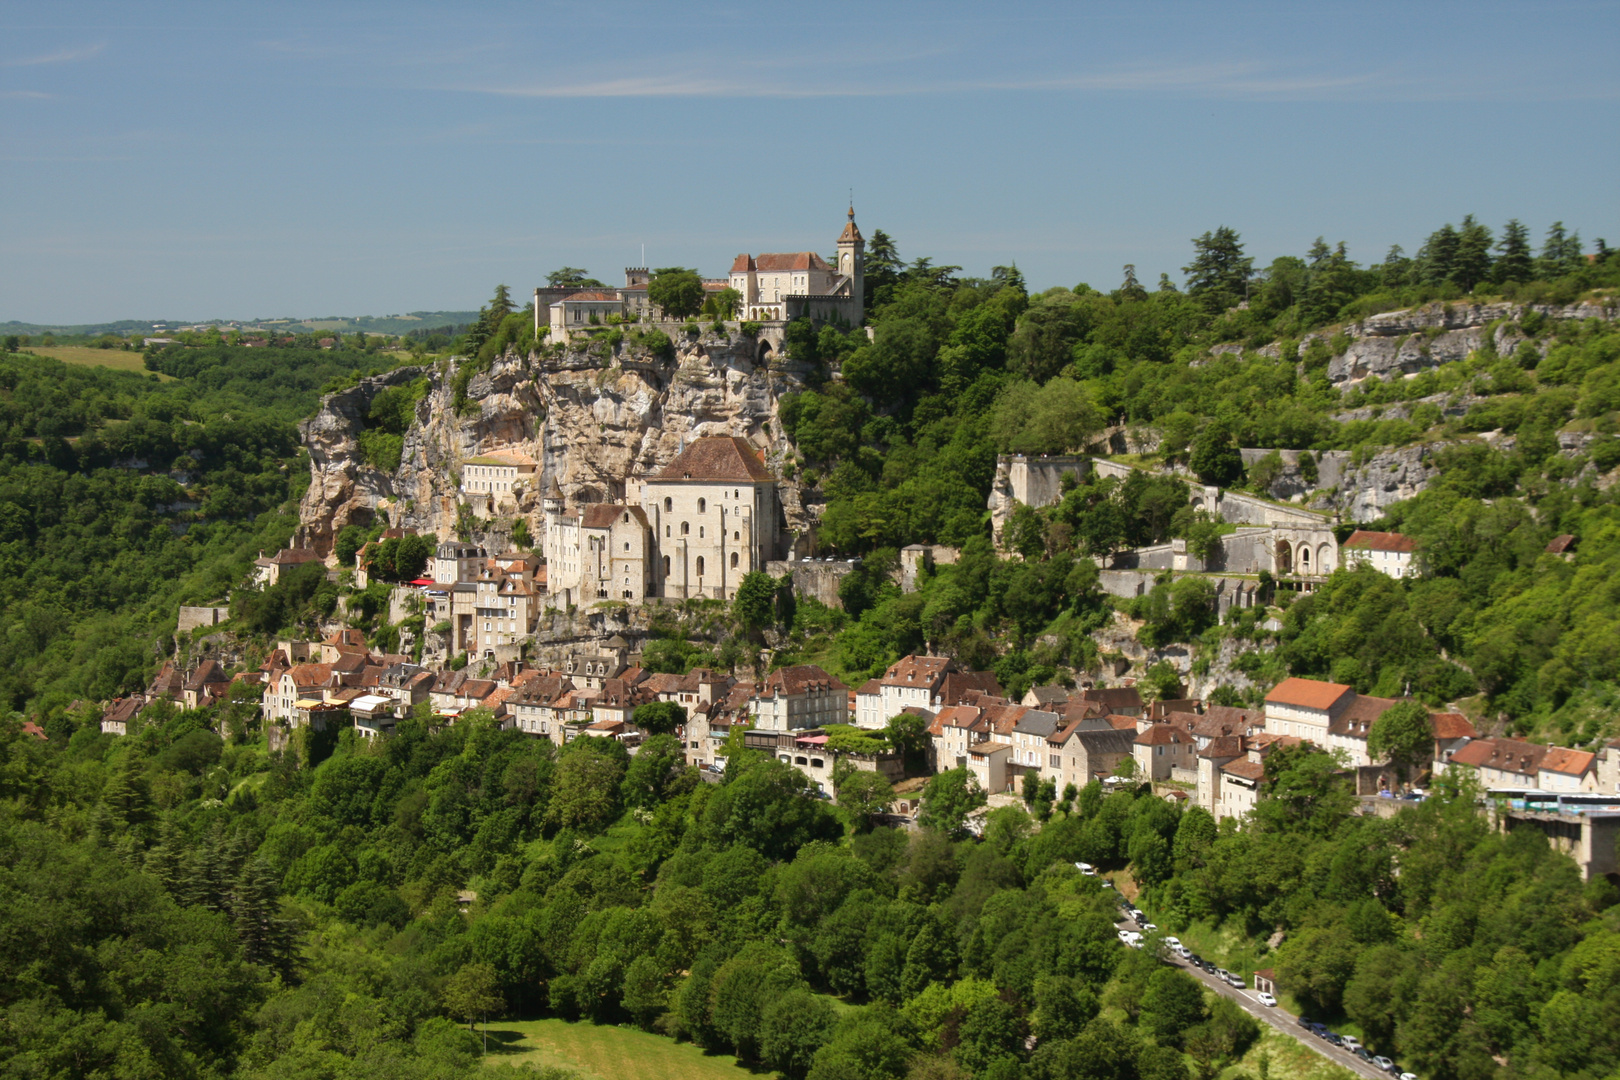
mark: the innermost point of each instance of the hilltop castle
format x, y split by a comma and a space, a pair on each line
776, 287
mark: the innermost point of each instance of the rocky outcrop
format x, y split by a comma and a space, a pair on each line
1385, 478
1416, 339
598, 419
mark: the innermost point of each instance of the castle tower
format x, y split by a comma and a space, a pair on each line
852, 263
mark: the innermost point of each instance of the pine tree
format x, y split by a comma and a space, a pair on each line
1219, 272
1472, 264
1397, 268
1561, 254
266, 937
1130, 288
127, 796
1438, 258
1513, 262
163, 861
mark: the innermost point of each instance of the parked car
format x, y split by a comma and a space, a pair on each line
1383, 1063
1351, 1043
1172, 941
1408, 1076
1236, 980
1222, 974
1086, 868
1127, 935
1361, 1052
1267, 1000
1105, 883
1148, 927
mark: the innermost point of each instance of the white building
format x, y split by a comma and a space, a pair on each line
784, 285
1387, 552
491, 476
1306, 708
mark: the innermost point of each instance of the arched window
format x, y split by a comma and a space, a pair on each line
627, 545
666, 566
734, 560
669, 504
666, 530
700, 532
736, 535
700, 566
685, 528
703, 505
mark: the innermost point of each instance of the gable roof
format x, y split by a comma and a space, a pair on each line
1249, 770
778, 261
1506, 755
798, 679
1450, 725
605, 515
1560, 544
1568, 762
917, 671
589, 297
957, 685
1368, 540
717, 457
1307, 693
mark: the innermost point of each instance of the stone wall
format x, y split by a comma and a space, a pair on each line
193, 617
915, 557
817, 579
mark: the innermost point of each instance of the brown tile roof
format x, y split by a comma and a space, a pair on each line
349, 636
1121, 723
1249, 770
1307, 693
1049, 695
957, 716
1367, 540
1227, 746
1359, 716
776, 262
1507, 755
208, 672
985, 749
311, 674
1161, 735
1450, 725
1560, 544
1001, 719
1567, 762
958, 685
717, 457
604, 515
1226, 720
798, 679
294, 557
917, 671
870, 686
596, 297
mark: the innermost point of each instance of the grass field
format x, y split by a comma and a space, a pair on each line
599, 1052
1285, 1059
117, 359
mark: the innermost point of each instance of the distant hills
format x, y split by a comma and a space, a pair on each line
371, 324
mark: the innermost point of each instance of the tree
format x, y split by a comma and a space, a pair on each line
586, 786
659, 717
1219, 273
948, 800
472, 992
792, 1027
1215, 457
1404, 734
1513, 260
723, 304
572, 277
1172, 1003
657, 760
755, 603
1472, 264
676, 291
863, 793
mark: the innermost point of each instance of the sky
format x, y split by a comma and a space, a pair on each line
232, 160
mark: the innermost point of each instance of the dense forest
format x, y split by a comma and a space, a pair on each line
123, 496
181, 904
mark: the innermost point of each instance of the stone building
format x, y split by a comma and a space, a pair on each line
496, 480
599, 551
713, 514
777, 286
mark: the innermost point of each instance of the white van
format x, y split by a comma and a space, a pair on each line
1086, 868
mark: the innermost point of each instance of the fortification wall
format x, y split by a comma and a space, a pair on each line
818, 580
193, 617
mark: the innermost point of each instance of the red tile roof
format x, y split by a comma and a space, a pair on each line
718, 457
1560, 544
798, 679
1367, 540
1450, 725
596, 297
1249, 770
1307, 693
776, 262
1567, 762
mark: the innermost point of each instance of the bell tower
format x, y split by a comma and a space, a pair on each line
852, 264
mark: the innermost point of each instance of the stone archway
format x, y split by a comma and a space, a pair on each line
762, 354
1304, 559
1324, 560
1285, 558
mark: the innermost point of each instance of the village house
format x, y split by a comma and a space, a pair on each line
1087, 748
1306, 708
1162, 748
1387, 552
268, 571
1501, 763
798, 697
496, 476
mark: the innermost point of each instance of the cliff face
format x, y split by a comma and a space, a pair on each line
1416, 339
598, 421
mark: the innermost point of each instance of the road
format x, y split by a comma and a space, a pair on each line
1285, 1022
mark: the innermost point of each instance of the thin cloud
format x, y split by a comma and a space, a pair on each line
65, 56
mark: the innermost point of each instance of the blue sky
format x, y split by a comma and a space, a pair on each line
233, 160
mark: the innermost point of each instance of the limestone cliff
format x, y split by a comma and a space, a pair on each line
1417, 339
597, 418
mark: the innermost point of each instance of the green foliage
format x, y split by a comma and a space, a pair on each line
677, 291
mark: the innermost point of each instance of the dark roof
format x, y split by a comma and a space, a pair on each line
604, 515
718, 457
1037, 722
1560, 544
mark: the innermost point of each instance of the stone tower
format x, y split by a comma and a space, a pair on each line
852, 263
